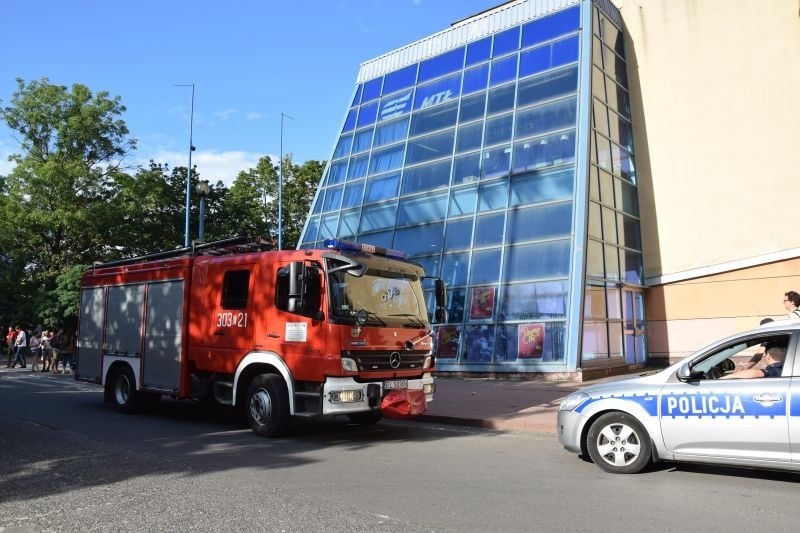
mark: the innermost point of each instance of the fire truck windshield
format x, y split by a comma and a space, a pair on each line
370, 294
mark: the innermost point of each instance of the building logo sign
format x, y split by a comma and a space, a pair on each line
438, 92
395, 106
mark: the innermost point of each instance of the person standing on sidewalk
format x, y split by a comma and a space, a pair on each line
36, 350
47, 350
10, 344
791, 302
20, 343
57, 343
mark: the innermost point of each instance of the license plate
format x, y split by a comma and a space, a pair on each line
395, 384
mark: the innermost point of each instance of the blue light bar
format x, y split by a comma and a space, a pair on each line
349, 246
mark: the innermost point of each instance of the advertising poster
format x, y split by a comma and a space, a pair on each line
531, 341
482, 303
448, 341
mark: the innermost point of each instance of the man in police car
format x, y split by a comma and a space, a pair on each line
773, 359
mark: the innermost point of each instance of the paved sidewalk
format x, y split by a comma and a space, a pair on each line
498, 404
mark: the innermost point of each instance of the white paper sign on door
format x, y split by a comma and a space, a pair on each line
296, 331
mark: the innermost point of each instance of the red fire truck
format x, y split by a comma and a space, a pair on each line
277, 333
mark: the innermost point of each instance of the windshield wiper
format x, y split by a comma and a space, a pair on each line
418, 324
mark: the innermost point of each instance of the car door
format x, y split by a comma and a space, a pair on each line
736, 419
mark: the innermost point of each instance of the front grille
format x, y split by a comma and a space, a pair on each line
380, 361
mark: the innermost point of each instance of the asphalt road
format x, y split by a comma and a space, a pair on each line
71, 463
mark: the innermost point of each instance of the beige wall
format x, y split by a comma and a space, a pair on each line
685, 316
715, 88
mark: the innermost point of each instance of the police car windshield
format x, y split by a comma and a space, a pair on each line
376, 296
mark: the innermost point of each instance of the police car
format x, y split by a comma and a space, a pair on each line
693, 411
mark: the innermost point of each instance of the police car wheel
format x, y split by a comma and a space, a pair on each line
618, 444
267, 405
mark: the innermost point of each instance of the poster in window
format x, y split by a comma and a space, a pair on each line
531, 341
448, 341
481, 303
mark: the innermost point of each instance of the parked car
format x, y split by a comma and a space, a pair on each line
693, 410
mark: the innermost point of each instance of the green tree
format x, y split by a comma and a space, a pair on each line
57, 200
300, 185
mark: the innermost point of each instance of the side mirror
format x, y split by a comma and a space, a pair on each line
295, 286
684, 372
440, 290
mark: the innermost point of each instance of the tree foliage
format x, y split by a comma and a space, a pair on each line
71, 200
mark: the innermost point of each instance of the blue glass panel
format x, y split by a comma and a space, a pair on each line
367, 114
506, 42
438, 92
632, 266
467, 169
395, 105
343, 146
532, 154
422, 209
629, 234
503, 70
484, 267
357, 97
372, 90
541, 187
501, 98
463, 201
479, 344
489, 230
391, 132
498, 129
352, 194
496, 162
479, 51
546, 28
430, 147
475, 79
547, 86
386, 160
363, 140
456, 302
383, 238
469, 137
526, 301
377, 217
350, 121
539, 260
382, 187
541, 222
348, 224
318, 202
493, 196
426, 177
419, 240
472, 107
623, 163
565, 51
454, 269
311, 230
553, 116
441, 64
630, 201
328, 226
436, 118
337, 173
459, 235
400, 79
333, 199
430, 265
358, 167
535, 60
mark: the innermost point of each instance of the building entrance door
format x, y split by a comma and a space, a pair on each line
635, 326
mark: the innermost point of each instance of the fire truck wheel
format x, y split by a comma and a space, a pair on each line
267, 405
124, 395
366, 418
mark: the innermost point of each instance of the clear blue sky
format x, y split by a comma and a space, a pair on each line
250, 61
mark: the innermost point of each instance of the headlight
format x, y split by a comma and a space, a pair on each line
346, 396
349, 365
573, 400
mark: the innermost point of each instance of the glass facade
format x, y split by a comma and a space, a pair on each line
488, 166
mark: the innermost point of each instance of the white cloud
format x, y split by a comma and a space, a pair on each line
211, 164
5, 165
225, 114
254, 115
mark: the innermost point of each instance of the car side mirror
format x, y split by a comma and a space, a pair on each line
684, 372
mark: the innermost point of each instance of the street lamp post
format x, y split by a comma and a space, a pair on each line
189, 177
202, 189
280, 189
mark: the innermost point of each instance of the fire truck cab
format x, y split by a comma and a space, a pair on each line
276, 333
